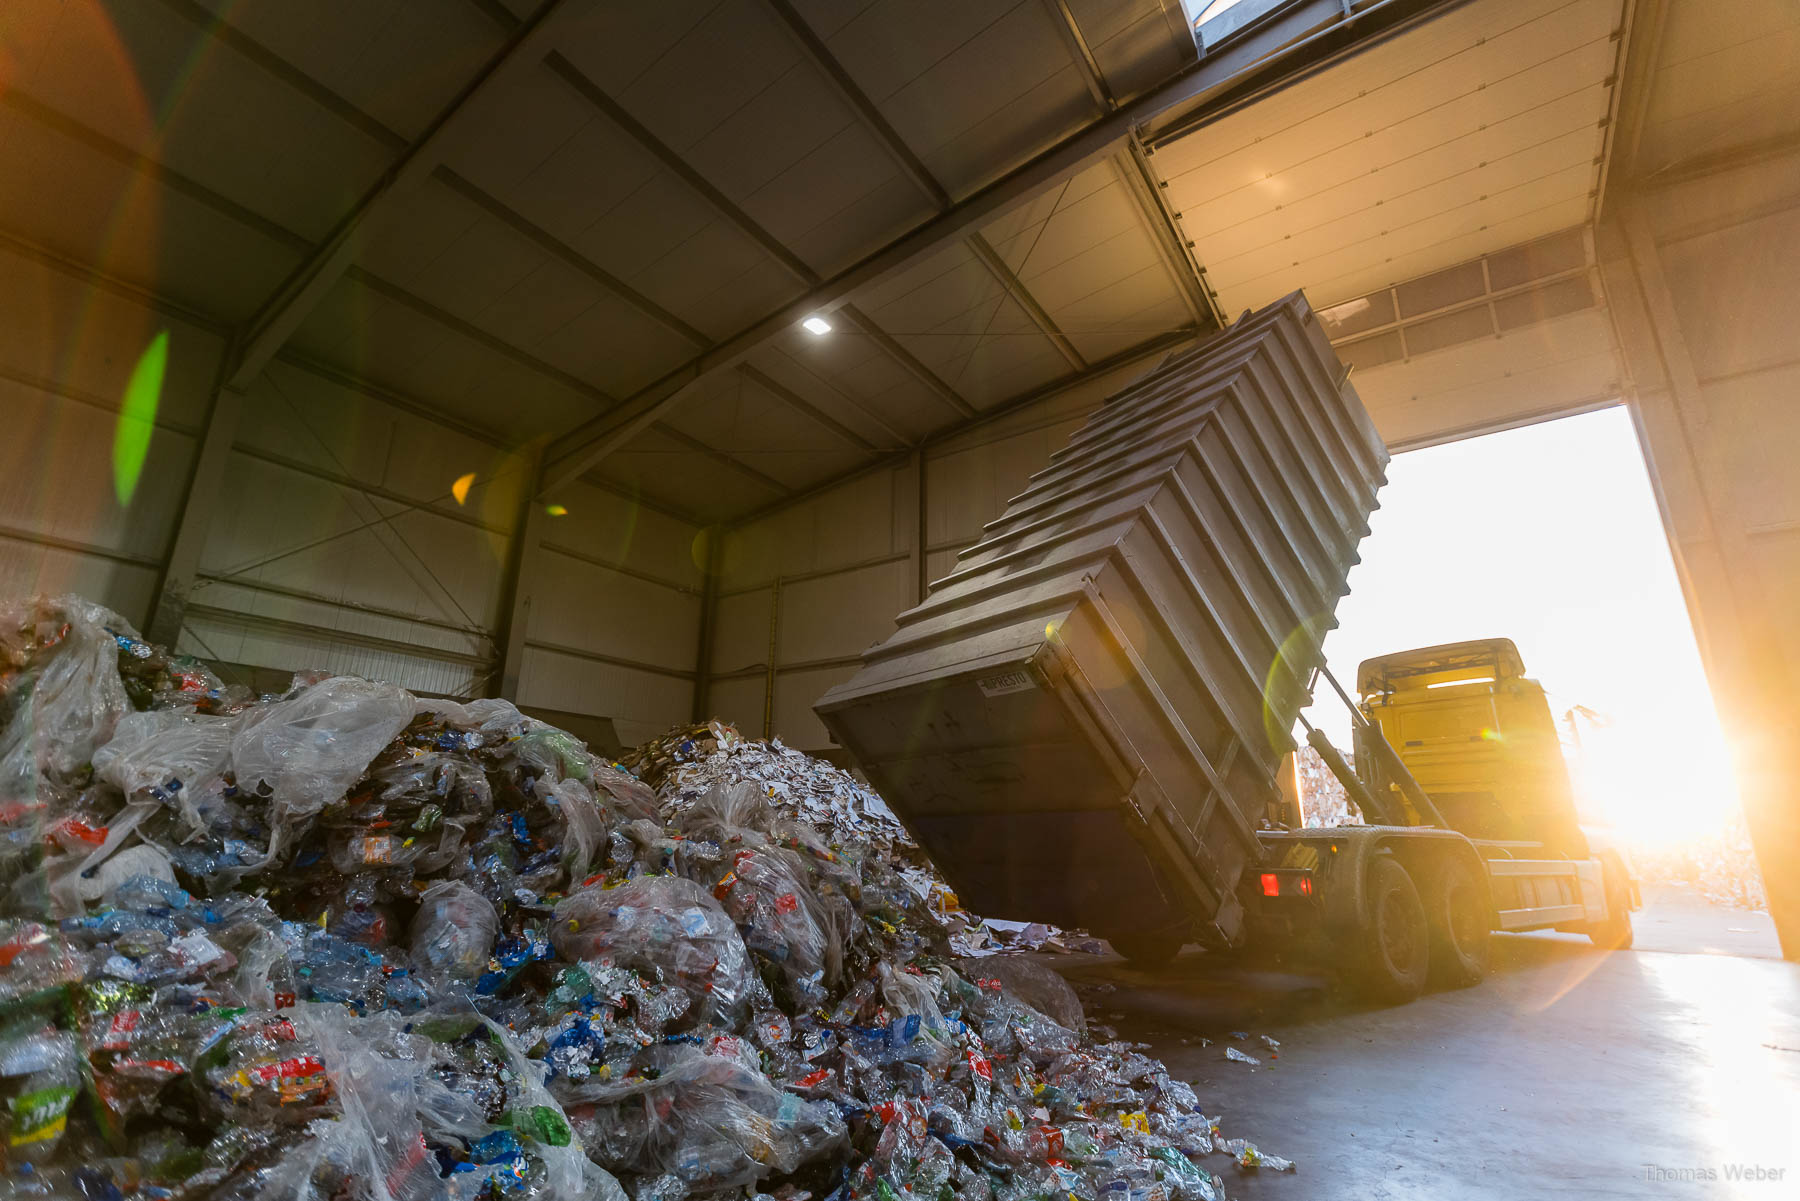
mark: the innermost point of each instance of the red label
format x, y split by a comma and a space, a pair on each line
160, 1067
814, 1079
284, 1000
119, 1031
92, 835
287, 1069
786, 903
981, 1067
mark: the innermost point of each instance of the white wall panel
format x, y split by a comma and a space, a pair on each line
28, 568
795, 692
740, 702
593, 608
641, 704
85, 338
1700, 278
614, 529
1530, 374
331, 540
741, 631
67, 351
828, 617
851, 523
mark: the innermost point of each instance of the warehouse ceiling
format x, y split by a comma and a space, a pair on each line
600, 223
1480, 131
1719, 85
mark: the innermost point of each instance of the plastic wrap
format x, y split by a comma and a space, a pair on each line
767, 894
665, 925
55, 713
709, 1120
375, 1072
1031, 982
306, 751
166, 755
584, 827
454, 930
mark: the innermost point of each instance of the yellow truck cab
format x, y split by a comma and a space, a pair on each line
1479, 737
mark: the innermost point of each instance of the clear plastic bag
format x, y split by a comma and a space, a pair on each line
664, 925
166, 755
766, 892
585, 828
454, 931
376, 1072
712, 1121
1029, 981
70, 695
307, 750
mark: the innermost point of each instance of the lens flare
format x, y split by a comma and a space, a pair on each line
460, 489
137, 417
555, 511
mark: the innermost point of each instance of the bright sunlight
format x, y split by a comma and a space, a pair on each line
1549, 535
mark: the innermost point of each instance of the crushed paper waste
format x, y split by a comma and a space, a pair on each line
348, 943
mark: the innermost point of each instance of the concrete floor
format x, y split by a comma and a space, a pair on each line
1569, 1072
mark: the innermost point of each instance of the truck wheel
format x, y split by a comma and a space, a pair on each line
1147, 950
1457, 913
1613, 933
1395, 950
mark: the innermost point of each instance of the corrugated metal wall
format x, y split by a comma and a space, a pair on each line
67, 349
337, 542
615, 624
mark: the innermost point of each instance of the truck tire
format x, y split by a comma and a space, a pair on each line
1395, 953
1147, 950
1456, 910
1613, 933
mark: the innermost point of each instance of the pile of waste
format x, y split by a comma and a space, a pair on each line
1323, 801
348, 943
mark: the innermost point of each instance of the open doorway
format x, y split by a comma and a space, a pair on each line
1549, 535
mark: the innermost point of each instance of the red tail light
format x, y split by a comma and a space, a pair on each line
1271, 884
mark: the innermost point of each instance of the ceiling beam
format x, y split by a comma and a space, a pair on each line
1092, 77
1160, 344
1291, 42
284, 311
1146, 191
848, 401
689, 442
564, 253
859, 103
734, 216
919, 371
915, 169
807, 409
988, 257
1634, 78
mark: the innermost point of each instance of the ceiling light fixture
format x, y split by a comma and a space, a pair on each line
816, 325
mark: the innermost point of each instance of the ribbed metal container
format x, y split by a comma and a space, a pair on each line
1082, 721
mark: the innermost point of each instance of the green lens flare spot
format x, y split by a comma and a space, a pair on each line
137, 417
555, 511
